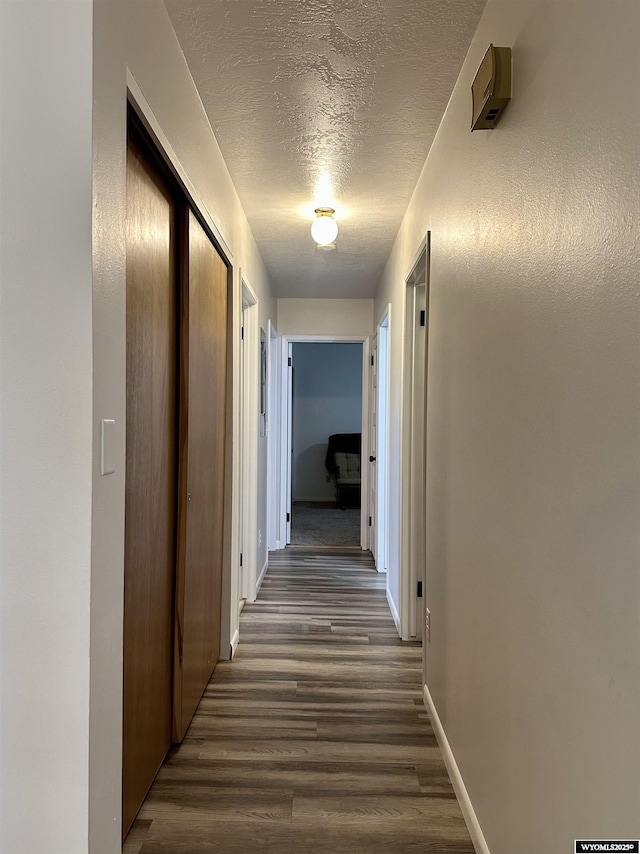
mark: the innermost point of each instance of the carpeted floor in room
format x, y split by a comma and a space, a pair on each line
322, 524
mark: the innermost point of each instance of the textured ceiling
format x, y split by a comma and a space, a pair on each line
325, 102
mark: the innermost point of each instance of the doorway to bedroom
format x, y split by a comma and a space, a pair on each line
326, 417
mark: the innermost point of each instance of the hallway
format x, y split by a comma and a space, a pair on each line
315, 738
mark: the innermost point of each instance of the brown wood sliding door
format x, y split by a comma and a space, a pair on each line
202, 450
150, 492
175, 449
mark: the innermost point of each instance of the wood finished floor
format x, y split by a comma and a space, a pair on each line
315, 738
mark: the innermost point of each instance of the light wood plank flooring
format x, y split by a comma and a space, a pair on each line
315, 738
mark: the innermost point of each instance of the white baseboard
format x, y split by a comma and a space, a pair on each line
235, 640
263, 572
394, 611
468, 812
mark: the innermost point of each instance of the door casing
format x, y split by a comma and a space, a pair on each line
286, 416
379, 502
413, 447
248, 505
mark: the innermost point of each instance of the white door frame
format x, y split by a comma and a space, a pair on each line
381, 450
374, 425
250, 367
274, 345
287, 435
412, 469
285, 452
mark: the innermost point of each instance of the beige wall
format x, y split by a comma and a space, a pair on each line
45, 425
325, 317
533, 539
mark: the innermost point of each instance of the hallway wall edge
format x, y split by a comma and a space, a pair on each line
262, 574
457, 781
394, 611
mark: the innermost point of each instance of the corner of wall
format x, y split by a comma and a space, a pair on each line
468, 812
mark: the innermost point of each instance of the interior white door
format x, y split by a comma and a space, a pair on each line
242, 585
417, 460
273, 439
289, 460
382, 381
249, 442
373, 441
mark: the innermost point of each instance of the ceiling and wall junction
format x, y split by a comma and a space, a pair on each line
325, 102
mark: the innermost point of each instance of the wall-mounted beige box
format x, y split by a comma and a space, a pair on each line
491, 88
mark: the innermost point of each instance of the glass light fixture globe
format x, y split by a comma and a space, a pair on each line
324, 229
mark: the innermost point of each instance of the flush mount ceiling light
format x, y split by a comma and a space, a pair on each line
324, 228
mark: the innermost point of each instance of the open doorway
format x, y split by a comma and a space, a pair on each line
273, 438
249, 424
379, 437
414, 444
325, 427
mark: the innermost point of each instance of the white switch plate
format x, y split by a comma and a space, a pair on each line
107, 455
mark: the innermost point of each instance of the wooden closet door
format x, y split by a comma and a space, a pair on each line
202, 450
150, 497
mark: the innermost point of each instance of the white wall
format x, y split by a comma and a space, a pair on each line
533, 541
325, 317
327, 399
62, 536
45, 425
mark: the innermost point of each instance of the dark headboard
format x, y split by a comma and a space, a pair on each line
346, 443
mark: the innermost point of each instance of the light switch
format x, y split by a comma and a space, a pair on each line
107, 457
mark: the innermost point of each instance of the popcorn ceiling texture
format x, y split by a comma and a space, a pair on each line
294, 88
